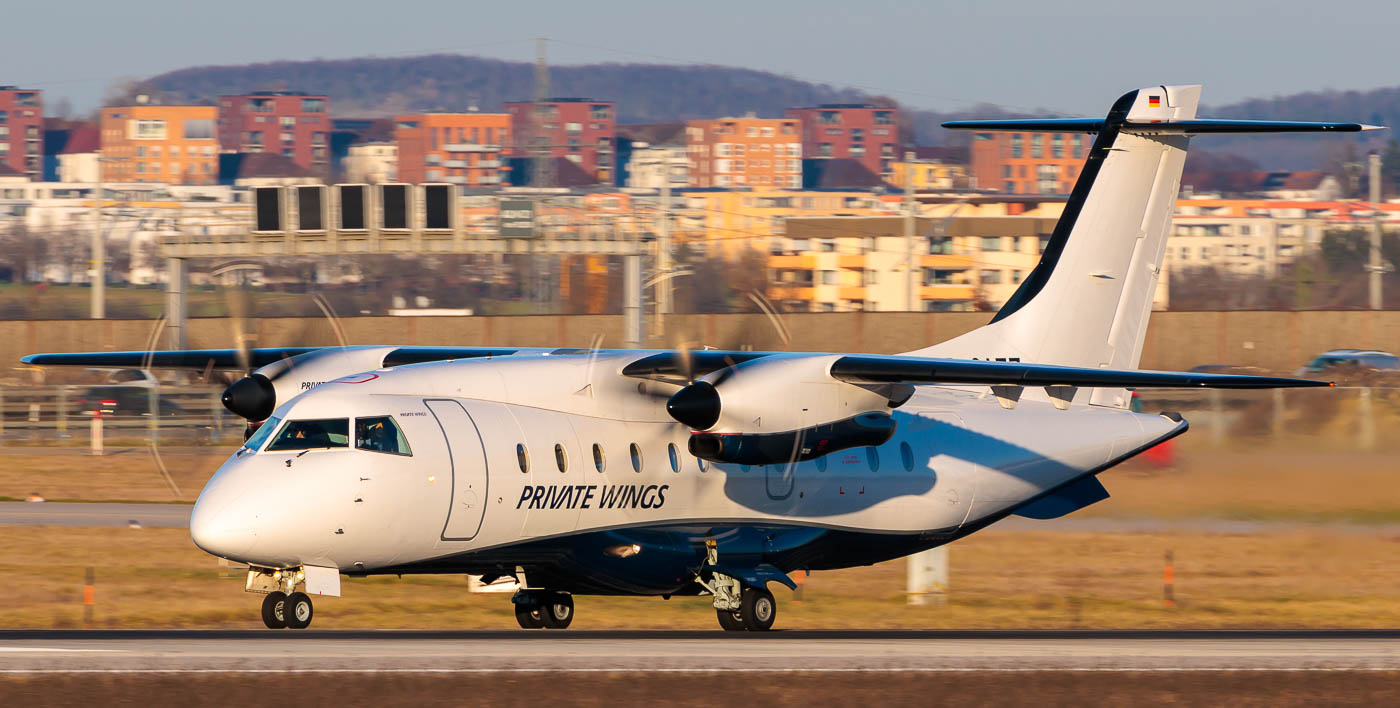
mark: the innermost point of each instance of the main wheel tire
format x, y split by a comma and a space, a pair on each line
298, 611
558, 611
529, 616
730, 620
272, 610
758, 609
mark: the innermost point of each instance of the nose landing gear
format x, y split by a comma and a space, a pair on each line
283, 606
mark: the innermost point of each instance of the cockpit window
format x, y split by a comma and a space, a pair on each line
380, 434
263, 432
311, 434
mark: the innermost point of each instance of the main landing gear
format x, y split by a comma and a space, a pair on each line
738, 608
543, 609
756, 612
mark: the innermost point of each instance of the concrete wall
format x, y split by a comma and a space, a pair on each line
1279, 341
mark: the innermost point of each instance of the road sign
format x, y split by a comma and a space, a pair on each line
517, 218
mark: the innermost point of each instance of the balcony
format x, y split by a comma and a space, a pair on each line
455, 163
489, 164
790, 293
455, 179
792, 262
468, 147
946, 292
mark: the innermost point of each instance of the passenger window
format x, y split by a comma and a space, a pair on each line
636, 458
872, 457
380, 434
312, 434
675, 457
561, 459
598, 459
261, 435
906, 455
523, 458
821, 463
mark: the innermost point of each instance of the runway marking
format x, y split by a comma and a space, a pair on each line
877, 670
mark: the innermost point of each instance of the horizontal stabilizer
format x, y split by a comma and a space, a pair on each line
864, 368
1065, 500
1205, 126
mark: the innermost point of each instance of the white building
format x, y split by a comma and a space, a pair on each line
372, 163
651, 166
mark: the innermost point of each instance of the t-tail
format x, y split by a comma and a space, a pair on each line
1087, 302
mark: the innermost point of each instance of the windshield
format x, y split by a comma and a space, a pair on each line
309, 434
380, 434
261, 435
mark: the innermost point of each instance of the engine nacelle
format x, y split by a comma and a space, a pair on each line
775, 394
783, 409
258, 394
794, 445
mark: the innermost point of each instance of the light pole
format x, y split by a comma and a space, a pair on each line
98, 306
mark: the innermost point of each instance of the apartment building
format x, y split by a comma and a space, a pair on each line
856, 131
928, 174
725, 222
149, 143
1028, 163
847, 264
372, 163
461, 148
580, 130
1253, 237
739, 152
22, 130
293, 124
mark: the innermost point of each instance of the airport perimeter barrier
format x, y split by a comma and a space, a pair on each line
62, 415
1357, 417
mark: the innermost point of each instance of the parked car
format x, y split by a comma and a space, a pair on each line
1234, 369
1349, 360
126, 401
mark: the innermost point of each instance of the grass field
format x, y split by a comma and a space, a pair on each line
1302, 578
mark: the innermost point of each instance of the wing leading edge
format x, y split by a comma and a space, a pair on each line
864, 368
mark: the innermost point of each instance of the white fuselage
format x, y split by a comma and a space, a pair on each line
956, 457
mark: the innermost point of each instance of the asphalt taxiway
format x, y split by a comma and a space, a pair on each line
392, 651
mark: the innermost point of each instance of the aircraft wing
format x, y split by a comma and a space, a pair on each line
232, 359
868, 368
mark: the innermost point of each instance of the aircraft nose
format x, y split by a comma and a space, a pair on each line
220, 529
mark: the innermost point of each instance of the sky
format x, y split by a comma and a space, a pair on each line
1065, 57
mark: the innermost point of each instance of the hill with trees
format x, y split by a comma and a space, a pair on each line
657, 93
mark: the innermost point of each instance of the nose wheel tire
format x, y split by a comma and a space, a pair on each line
758, 609
529, 617
272, 610
298, 611
558, 611
730, 620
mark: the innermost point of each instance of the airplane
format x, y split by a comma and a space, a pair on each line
677, 472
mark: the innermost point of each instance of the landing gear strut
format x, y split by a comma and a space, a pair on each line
737, 608
537, 609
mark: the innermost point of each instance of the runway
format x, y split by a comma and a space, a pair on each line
467, 652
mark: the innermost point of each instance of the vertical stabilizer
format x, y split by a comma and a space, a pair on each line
1088, 300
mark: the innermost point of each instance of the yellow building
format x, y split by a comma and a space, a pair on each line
929, 175
724, 223
170, 144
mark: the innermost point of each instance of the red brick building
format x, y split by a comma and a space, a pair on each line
857, 131
289, 123
580, 130
22, 130
461, 148
1028, 163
